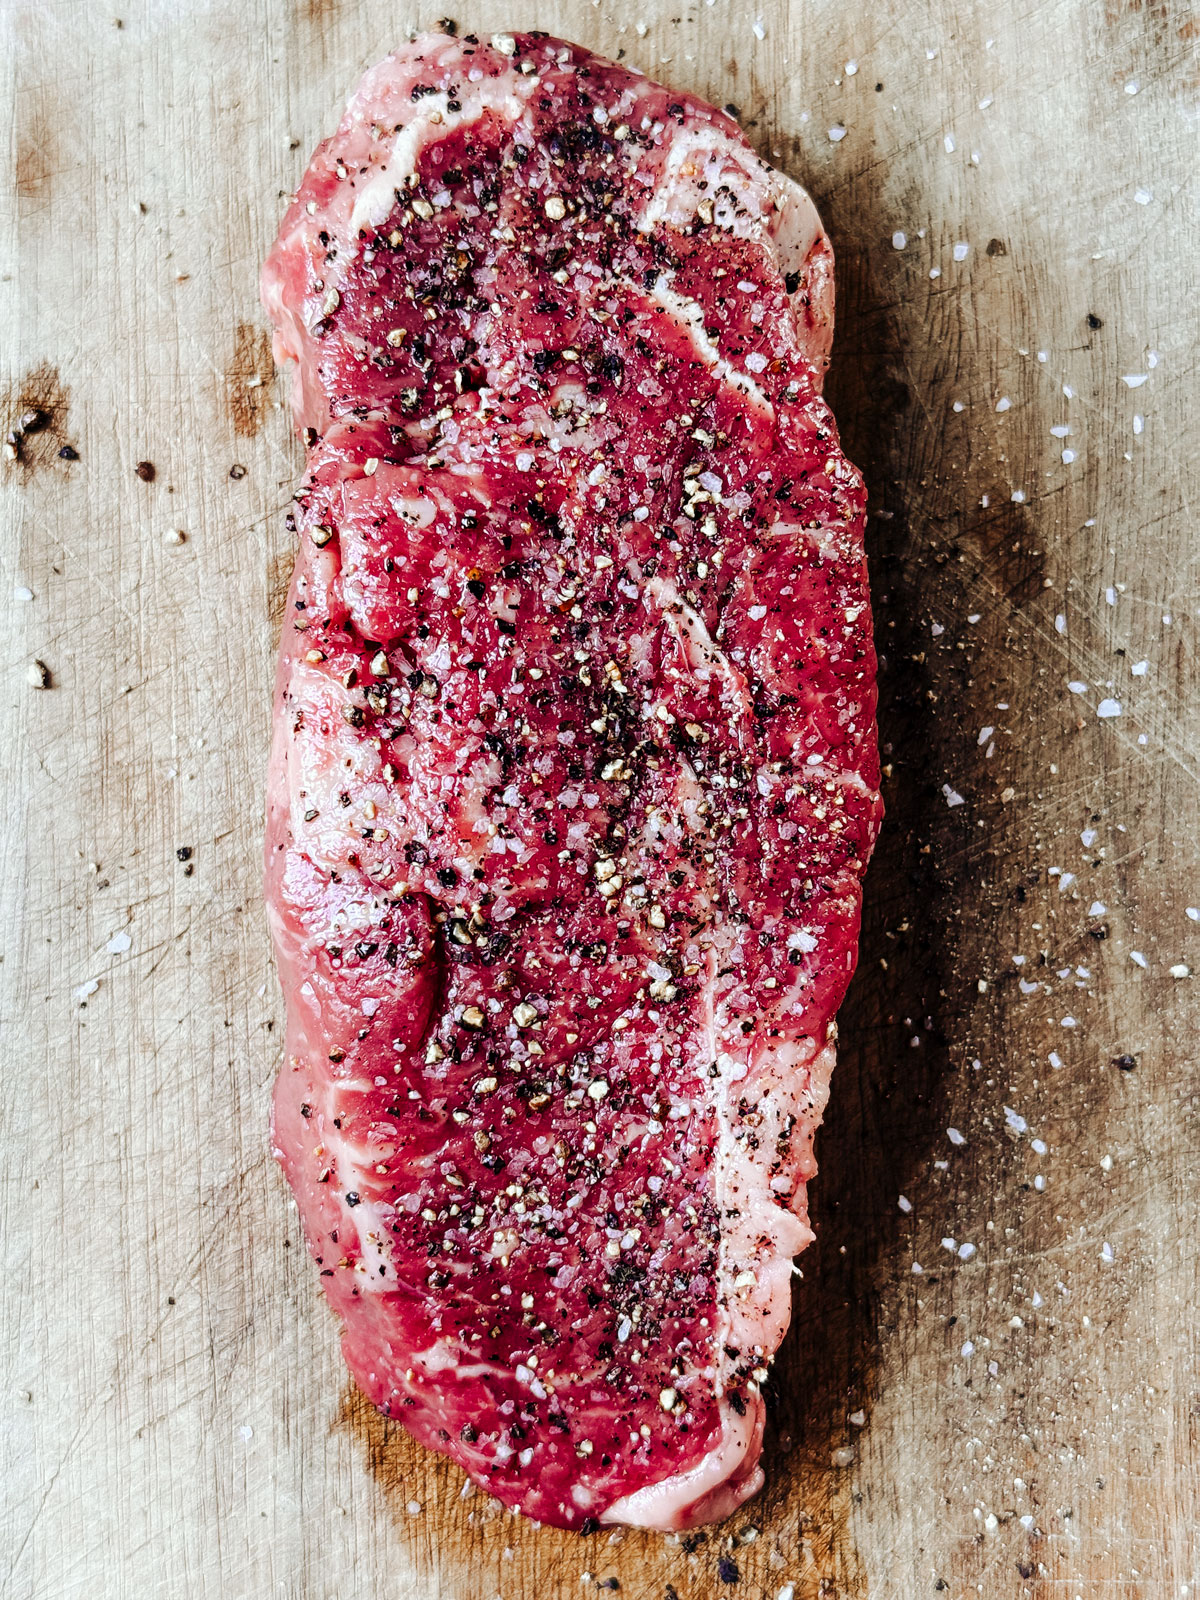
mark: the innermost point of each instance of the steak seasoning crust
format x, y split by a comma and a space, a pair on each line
574, 775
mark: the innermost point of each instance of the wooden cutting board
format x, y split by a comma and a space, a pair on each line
990, 1388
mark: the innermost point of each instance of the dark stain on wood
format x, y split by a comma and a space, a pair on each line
319, 11
249, 379
48, 444
279, 576
34, 164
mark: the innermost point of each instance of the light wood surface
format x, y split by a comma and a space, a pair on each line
177, 1422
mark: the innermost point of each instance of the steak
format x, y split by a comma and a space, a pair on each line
574, 775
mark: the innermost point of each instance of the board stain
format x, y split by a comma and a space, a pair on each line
33, 167
34, 420
249, 379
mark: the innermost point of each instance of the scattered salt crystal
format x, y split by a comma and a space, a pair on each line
414, 1506
1109, 708
1138, 959
837, 133
1179, 970
985, 102
1106, 1251
1069, 1022
1055, 1059
960, 251
1132, 86
245, 1433
1138, 423
1026, 1522
1106, 1163
1110, 595
958, 406
1088, 838
1066, 879
1143, 196
843, 1455
1039, 1183
985, 734
954, 1136
936, 629
1097, 908
85, 990
1140, 668
899, 240
788, 1592
1015, 1120
968, 1350
1060, 623
1067, 457
950, 1244
850, 68
1038, 1146
1060, 430
22, 593
1018, 495
953, 798
759, 30
905, 1204
991, 1522
1004, 403
948, 141
119, 943
965, 1252
857, 1419
1076, 687
1194, 913
936, 272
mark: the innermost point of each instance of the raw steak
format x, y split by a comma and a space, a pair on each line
574, 775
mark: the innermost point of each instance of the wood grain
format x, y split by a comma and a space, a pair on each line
176, 1417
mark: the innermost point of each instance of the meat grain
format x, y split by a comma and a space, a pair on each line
574, 776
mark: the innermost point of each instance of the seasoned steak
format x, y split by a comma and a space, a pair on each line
574, 777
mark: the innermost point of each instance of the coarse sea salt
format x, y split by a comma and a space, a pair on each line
955, 1137
1109, 708
953, 798
1138, 959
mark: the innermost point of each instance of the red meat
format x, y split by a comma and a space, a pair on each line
574, 776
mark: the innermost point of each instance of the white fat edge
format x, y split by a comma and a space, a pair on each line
662, 1505
431, 122
368, 1217
767, 1233
693, 155
795, 228
771, 206
316, 768
688, 315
